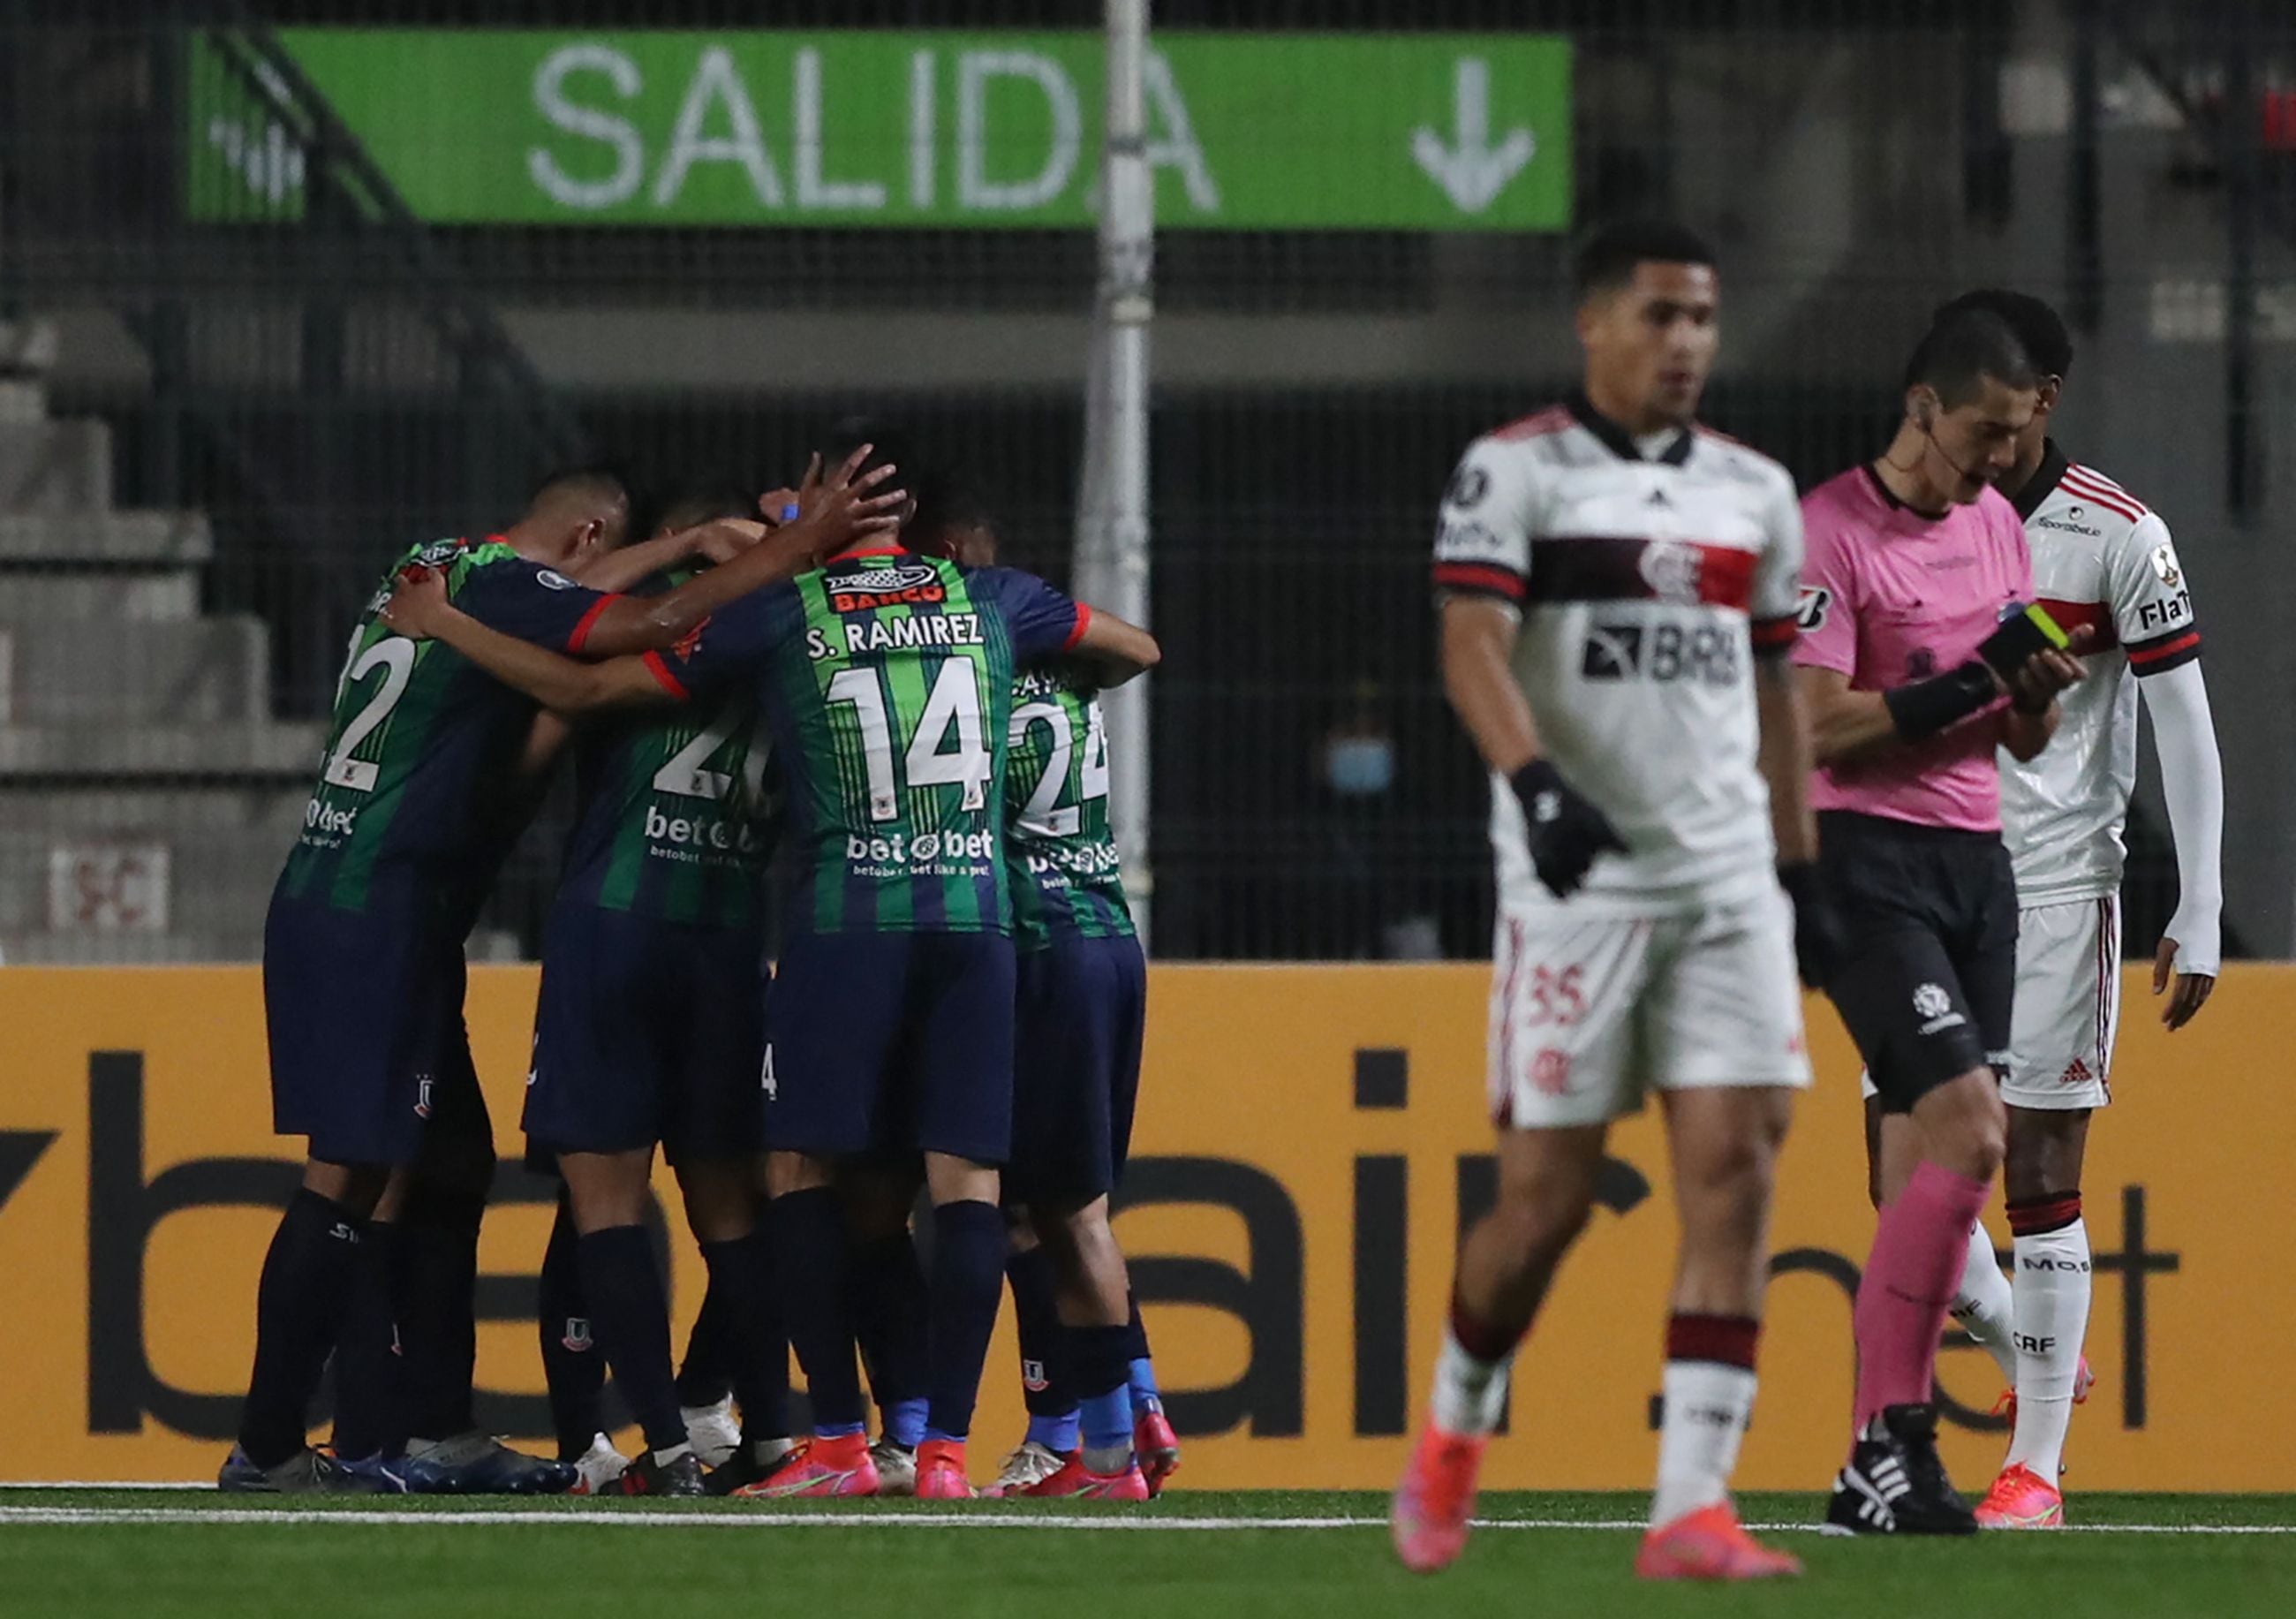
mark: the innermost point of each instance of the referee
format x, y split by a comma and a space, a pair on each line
1916, 661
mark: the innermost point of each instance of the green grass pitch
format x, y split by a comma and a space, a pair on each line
1191, 1555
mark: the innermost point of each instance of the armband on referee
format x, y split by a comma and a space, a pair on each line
1927, 707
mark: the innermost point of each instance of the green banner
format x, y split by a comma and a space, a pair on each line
1437, 132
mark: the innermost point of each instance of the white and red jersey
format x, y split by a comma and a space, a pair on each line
1647, 573
2100, 559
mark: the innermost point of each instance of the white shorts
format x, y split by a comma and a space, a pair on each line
1588, 1014
2067, 1012
2068, 1005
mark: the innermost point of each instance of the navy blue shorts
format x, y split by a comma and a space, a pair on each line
1079, 1012
885, 1042
647, 1031
365, 1014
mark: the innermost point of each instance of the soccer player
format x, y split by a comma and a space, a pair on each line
2102, 559
1618, 591
363, 946
1080, 1015
649, 1030
1916, 566
885, 679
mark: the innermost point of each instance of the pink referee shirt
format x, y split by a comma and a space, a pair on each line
1890, 597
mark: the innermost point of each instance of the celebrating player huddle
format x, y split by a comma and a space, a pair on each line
837, 684
1650, 666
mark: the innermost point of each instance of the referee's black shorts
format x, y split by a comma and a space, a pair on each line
1930, 914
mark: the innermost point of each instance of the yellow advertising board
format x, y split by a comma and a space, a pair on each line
1309, 1139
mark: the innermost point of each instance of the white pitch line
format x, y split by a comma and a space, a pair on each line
119, 1515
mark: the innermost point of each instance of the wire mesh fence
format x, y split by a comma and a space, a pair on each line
281, 293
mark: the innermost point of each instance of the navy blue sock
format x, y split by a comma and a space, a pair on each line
308, 1273
810, 1267
572, 1368
631, 1318
1146, 1395
1104, 1394
434, 1283
742, 1279
706, 1374
1043, 1386
889, 1309
967, 1285
369, 1399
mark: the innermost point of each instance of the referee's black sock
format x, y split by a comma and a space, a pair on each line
368, 1367
811, 1270
742, 1279
630, 1316
572, 1369
890, 1313
307, 1276
967, 1285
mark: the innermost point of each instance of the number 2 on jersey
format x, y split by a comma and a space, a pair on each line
954, 704
1044, 814
395, 656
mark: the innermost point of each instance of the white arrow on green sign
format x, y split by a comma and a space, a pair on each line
1442, 132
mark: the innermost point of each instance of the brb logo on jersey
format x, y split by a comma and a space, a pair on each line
908, 584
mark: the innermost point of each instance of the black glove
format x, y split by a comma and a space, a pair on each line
1567, 832
1819, 945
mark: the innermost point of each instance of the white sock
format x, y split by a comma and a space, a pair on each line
1707, 1404
2053, 1293
1983, 1305
1469, 1393
662, 1459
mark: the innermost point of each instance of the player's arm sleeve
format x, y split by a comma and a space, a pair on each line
1482, 535
1774, 611
2152, 601
1040, 620
535, 603
564, 684
1825, 613
716, 652
2191, 780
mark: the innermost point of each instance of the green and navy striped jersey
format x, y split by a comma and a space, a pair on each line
423, 739
1067, 881
886, 683
676, 819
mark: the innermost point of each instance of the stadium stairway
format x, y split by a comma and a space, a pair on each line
146, 794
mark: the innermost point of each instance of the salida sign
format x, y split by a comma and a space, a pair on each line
1310, 1144
1278, 132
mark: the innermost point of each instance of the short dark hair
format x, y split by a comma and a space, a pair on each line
1958, 353
1606, 259
598, 482
2040, 328
931, 493
694, 507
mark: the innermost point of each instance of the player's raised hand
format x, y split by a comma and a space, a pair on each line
2192, 989
416, 602
1567, 832
849, 504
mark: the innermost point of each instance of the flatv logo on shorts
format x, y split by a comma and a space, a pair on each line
423, 1098
1931, 1003
577, 1336
1550, 1072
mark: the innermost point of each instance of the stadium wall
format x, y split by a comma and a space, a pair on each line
1309, 1139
